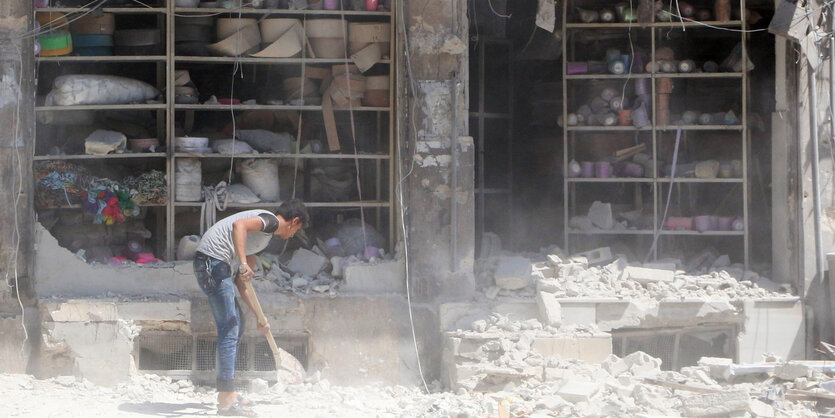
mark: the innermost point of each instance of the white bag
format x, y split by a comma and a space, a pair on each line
238, 193
261, 176
226, 146
187, 247
189, 180
89, 89
102, 142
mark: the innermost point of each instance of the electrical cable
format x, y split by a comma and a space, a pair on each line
490, 2
400, 18
18, 192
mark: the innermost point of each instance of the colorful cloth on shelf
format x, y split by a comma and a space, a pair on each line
110, 203
148, 188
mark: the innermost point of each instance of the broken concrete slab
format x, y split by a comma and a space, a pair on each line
718, 403
646, 276
591, 349
549, 309
512, 273
578, 390
614, 365
791, 371
108, 310
382, 278
306, 262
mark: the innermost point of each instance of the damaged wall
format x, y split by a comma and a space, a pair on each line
16, 139
437, 156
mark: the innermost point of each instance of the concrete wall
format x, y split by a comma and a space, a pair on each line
437, 163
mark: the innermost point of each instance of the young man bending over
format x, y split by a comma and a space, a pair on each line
224, 261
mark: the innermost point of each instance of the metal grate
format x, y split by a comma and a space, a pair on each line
183, 355
659, 346
164, 351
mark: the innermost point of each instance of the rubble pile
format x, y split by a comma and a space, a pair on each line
599, 273
502, 359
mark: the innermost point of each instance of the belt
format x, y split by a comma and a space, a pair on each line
200, 256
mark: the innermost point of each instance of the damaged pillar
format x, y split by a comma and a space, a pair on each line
16, 219
435, 151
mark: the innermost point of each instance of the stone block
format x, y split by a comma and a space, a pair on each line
512, 273
791, 371
306, 262
719, 367
554, 260
600, 214
642, 365
517, 310
578, 390
784, 315
549, 309
614, 365
98, 351
382, 278
544, 268
718, 403
554, 374
645, 276
576, 312
760, 409
597, 256
548, 285
591, 349
14, 355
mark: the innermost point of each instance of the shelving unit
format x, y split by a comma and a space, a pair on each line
376, 168
652, 189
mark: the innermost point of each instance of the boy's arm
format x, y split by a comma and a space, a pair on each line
247, 296
239, 230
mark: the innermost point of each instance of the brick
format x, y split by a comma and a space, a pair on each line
306, 262
544, 268
597, 256
614, 365
513, 273
645, 276
593, 349
550, 312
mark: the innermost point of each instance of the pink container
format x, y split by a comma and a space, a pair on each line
371, 5
587, 169
371, 252
703, 223
330, 4
633, 170
603, 169
680, 223
576, 68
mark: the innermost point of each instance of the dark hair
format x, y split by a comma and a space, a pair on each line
294, 208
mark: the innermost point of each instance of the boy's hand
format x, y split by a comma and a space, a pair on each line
265, 329
245, 272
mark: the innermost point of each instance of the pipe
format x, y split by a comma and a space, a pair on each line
813, 110
454, 214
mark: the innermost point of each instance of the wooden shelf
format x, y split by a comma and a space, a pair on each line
698, 75
265, 61
288, 156
363, 204
603, 232
151, 205
697, 180
250, 11
607, 76
100, 157
610, 180
221, 107
701, 128
608, 129
103, 107
704, 234
635, 25
108, 58
129, 10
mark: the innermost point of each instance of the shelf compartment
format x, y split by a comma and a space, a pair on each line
700, 127
698, 180
223, 107
256, 60
103, 107
127, 10
606, 76
354, 204
610, 180
608, 129
703, 234
99, 157
287, 156
686, 24
249, 11
108, 58
604, 232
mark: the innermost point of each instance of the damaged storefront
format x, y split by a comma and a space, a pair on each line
592, 207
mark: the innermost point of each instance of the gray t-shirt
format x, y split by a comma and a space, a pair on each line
217, 241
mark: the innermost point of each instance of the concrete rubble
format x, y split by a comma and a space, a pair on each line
555, 272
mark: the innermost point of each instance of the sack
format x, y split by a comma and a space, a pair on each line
189, 180
261, 176
238, 193
88, 89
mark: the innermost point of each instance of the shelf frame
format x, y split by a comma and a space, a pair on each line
659, 185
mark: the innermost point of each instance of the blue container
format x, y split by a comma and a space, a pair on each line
94, 51
88, 41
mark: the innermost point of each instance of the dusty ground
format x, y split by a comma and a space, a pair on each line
65, 397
